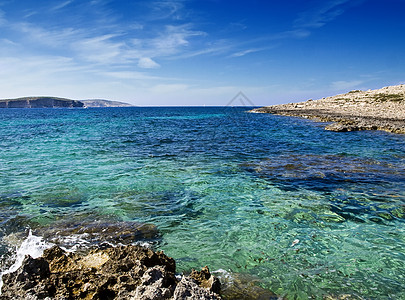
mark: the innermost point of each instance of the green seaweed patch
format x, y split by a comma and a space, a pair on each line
355, 92
389, 97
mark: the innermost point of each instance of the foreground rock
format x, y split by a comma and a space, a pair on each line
382, 109
126, 272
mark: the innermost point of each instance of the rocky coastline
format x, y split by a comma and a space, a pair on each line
99, 260
382, 109
124, 272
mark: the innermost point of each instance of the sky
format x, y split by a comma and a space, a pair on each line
199, 52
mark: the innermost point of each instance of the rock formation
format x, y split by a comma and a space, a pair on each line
382, 109
124, 272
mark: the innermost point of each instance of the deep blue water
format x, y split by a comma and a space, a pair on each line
303, 211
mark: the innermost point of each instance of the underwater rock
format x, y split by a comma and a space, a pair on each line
124, 272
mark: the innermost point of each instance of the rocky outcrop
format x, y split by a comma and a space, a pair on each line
125, 272
40, 102
382, 109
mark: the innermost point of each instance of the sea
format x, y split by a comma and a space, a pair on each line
272, 201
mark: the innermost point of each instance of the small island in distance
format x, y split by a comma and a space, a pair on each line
55, 102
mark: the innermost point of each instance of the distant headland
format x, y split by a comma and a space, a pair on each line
381, 109
55, 102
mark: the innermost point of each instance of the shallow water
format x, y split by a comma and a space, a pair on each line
306, 211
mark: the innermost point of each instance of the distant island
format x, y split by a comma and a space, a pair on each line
55, 102
381, 109
104, 103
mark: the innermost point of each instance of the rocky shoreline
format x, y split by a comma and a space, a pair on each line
98, 260
124, 272
382, 109
104, 260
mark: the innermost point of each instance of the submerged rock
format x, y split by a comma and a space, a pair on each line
246, 287
125, 272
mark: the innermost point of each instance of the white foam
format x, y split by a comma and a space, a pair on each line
224, 276
33, 246
143, 244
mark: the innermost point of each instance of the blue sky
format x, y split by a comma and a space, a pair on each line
186, 52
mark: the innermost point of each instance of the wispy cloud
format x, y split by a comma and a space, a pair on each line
219, 47
173, 38
61, 5
323, 12
100, 49
346, 85
166, 9
48, 37
147, 63
245, 52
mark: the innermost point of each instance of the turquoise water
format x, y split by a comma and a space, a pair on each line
302, 211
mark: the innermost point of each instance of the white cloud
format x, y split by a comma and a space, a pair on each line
100, 49
346, 85
147, 63
61, 5
217, 48
166, 9
323, 13
245, 52
42, 36
8, 42
173, 39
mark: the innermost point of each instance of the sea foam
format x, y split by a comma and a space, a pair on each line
33, 246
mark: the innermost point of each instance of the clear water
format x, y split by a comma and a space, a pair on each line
304, 211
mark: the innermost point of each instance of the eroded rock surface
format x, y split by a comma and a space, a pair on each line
125, 272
